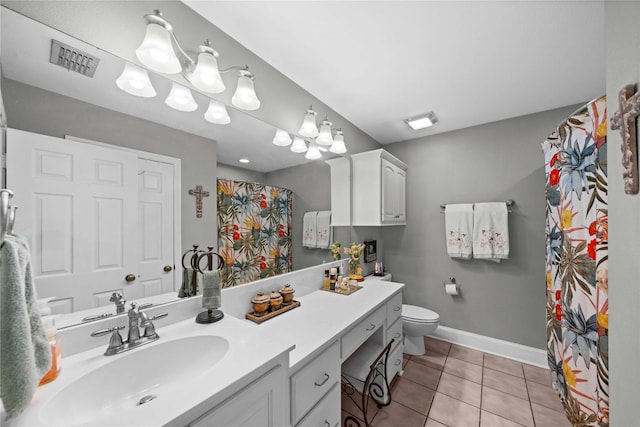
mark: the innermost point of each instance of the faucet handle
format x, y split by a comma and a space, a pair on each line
149, 327
116, 338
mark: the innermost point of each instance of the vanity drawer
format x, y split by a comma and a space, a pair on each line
394, 363
327, 411
351, 340
313, 381
394, 308
395, 332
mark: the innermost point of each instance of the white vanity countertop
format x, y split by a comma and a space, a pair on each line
323, 316
249, 350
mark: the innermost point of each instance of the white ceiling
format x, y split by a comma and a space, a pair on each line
471, 62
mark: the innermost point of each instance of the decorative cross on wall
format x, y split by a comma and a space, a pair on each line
199, 193
625, 120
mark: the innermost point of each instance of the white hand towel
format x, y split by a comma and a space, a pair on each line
323, 229
458, 220
309, 229
25, 354
491, 231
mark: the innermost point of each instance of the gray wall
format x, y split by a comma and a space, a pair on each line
39, 111
492, 162
239, 174
623, 67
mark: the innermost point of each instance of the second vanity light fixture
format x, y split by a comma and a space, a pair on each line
320, 139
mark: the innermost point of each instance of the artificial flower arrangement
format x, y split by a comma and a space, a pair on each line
354, 250
335, 251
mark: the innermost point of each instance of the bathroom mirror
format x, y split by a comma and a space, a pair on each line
26, 45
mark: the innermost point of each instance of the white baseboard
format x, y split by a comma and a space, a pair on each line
510, 350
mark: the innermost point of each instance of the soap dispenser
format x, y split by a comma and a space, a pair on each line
49, 324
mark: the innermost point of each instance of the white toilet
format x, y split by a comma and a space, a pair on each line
416, 323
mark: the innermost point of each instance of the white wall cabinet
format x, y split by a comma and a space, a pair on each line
379, 189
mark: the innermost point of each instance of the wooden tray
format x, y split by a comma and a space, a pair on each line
352, 289
272, 314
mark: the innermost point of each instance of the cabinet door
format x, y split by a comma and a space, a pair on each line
393, 193
389, 193
258, 405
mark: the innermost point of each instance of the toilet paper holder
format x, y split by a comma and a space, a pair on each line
451, 287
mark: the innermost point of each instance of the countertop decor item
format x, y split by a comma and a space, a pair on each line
260, 304
347, 289
354, 251
287, 292
335, 251
275, 301
271, 314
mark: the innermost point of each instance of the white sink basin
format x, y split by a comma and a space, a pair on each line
145, 376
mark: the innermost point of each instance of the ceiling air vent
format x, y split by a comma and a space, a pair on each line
73, 59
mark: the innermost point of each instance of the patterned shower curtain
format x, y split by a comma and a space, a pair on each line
576, 264
254, 231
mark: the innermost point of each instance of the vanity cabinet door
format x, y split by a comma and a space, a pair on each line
394, 308
326, 413
258, 405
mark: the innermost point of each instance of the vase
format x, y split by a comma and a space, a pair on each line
354, 265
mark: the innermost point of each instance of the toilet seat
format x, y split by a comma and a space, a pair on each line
417, 314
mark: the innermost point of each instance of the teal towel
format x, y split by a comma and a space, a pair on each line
25, 354
187, 289
211, 292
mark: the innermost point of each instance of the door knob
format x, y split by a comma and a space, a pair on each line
167, 268
130, 277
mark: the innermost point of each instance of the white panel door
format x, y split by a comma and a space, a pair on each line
156, 234
78, 209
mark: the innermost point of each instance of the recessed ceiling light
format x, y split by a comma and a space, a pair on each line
422, 121
244, 160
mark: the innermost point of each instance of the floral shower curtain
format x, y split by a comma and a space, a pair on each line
254, 230
576, 264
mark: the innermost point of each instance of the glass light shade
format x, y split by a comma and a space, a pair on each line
217, 113
245, 96
135, 81
156, 51
325, 138
298, 146
313, 153
309, 127
206, 76
338, 146
181, 98
282, 138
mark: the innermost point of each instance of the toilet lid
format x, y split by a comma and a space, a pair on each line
419, 314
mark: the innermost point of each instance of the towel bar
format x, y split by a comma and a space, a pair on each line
509, 204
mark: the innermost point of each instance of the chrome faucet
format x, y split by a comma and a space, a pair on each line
119, 300
137, 319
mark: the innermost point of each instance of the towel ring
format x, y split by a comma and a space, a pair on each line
194, 250
209, 257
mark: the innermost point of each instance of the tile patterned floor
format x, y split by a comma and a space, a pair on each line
454, 386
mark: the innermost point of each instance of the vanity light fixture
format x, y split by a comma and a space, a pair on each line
298, 146
180, 98
157, 53
217, 113
309, 127
422, 121
282, 138
245, 96
135, 81
338, 146
325, 138
313, 152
